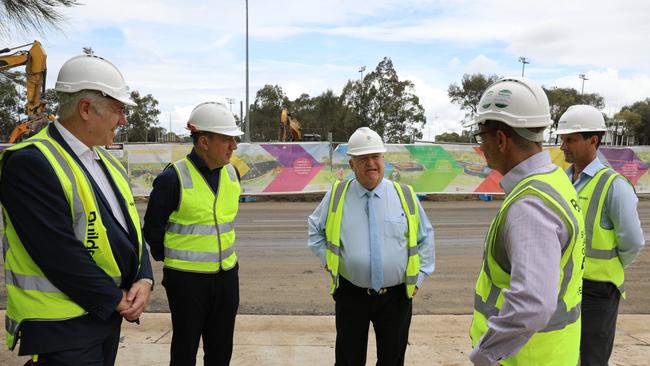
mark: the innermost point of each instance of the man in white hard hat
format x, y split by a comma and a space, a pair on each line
527, 297
376, 242
189, 225
74, 255
614, 235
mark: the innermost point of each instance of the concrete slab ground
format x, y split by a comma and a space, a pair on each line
276, 340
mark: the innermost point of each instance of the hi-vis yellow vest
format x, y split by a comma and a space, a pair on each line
30, 295
333, 233
200, 235
558, 343
602, 262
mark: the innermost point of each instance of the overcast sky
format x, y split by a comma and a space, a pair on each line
187, 52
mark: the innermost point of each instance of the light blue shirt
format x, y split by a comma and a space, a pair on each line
619, 212
355, 243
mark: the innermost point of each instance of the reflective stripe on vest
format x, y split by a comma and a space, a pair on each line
601, 264
560, 336
30, 294
203, 219
562, 316
333, 234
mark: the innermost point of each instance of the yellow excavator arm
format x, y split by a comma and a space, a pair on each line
288, 123
34, 60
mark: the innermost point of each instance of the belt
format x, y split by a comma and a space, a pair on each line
368, 291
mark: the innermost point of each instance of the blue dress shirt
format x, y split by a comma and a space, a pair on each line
355, 242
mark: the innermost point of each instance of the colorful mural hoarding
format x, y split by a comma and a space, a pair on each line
306, 167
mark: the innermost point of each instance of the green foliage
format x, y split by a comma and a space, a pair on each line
454, 137
11, 107
265, 113
142, 119
32, 14
381, 101
637, 120
468, 94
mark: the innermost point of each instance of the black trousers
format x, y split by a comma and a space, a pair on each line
202, 306
99, 354
599, 311
390, 315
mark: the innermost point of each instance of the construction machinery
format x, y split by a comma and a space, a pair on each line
288, 123
35, 70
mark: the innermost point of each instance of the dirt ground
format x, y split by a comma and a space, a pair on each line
280, 275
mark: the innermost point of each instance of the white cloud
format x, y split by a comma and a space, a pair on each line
618, 91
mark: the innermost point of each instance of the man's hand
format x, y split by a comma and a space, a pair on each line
124, 303
415, 291
138, 297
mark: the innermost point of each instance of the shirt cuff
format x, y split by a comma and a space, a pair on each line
149, 281
479, 358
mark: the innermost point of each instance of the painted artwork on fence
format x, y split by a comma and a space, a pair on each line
276, 168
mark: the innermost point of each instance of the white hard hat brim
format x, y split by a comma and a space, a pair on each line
227, 132
366, 151
569, 131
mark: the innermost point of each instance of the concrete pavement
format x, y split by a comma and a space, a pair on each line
309, 340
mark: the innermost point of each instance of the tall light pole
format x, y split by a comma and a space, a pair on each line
583, 77
248, 120
523, 61
361, 70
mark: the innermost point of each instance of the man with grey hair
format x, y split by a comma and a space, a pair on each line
528, 293
74, 255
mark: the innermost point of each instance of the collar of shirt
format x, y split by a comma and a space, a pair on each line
538, 163
199, 163
362, 191
588, 172
78, 147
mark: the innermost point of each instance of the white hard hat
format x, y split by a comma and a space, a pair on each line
517, 102
213, 117
90, 72
581, 118
365, 141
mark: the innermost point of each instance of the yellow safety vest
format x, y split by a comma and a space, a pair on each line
558, 343
200, 235
333, 233
30, 295
602, 262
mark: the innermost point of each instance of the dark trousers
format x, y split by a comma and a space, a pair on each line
599, 311
390, 315
99, 354
202, 306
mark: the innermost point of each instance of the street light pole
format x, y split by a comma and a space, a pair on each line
248, 120
583, 77
361, 70
523, 61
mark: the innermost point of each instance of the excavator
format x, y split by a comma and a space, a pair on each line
288, 123
35, 66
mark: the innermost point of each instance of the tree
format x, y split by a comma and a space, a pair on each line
453, 137
468, 94
142, 119
389, 106
266, 110
32, 14
637, 118
11, 107
560, 99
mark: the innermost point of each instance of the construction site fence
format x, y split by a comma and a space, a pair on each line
311, 167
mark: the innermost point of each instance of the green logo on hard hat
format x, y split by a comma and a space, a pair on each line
488, 100
502, 100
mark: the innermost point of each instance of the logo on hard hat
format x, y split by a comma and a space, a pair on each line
368, 137
502, 99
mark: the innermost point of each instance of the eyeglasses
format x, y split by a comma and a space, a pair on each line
478, 136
